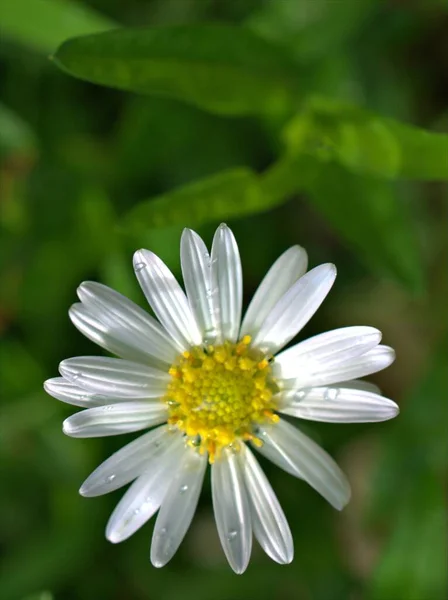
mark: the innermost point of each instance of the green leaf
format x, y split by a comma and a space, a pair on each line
368, 214
228, 194
367, 143
44, 24
313, 30
16, 135
408, 493
223, 69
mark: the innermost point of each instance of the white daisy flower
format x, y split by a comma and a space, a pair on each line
214, 387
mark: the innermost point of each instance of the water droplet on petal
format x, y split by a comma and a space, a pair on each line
110, 478
139, 266
137, 511
331, 393
183, 489
232, 534
300, 395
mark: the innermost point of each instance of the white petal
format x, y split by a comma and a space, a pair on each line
331, 348
227, 278
167, 299
268, 520
67, 392
178, 507
145, 495
295, 308
232, 510
359, 384
197, 274
286, 270
372, 361
115, 377
297, 454
128, 463
337, 405
115, 419
120, 326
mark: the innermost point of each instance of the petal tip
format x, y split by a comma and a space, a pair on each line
113, 537
67, 427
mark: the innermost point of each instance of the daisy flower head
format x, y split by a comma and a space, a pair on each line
212, 387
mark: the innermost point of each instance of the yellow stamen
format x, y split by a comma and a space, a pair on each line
217, 396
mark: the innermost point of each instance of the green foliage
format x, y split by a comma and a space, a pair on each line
271, 118
310, 31
371, 217
15, 134
367, 143
227, 195
413, 564
44, 24
224, 69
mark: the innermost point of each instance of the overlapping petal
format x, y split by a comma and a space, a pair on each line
67, 392
115, 419
201, 292
286, 270
374, 360
146, 494
329, 349
232, 510
178, 507
114, 377
295, 308
120, 326
297, 454
167, 299
227, 279
128, 463
337, 405
268, 519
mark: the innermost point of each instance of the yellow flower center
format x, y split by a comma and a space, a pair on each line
217, 394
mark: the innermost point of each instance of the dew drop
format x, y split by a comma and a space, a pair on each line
232, 535
300, 395
137, 511
139, 266
331, 393
108, 407
183, 489
110, 478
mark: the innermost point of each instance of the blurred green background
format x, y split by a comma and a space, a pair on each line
315, 122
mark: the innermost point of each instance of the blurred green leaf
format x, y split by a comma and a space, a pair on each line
40, 596
312, 29
368, 214
16, 136
229, 194
413, 565
46, 556
408, 493
367, 143
44, 24
224, 69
